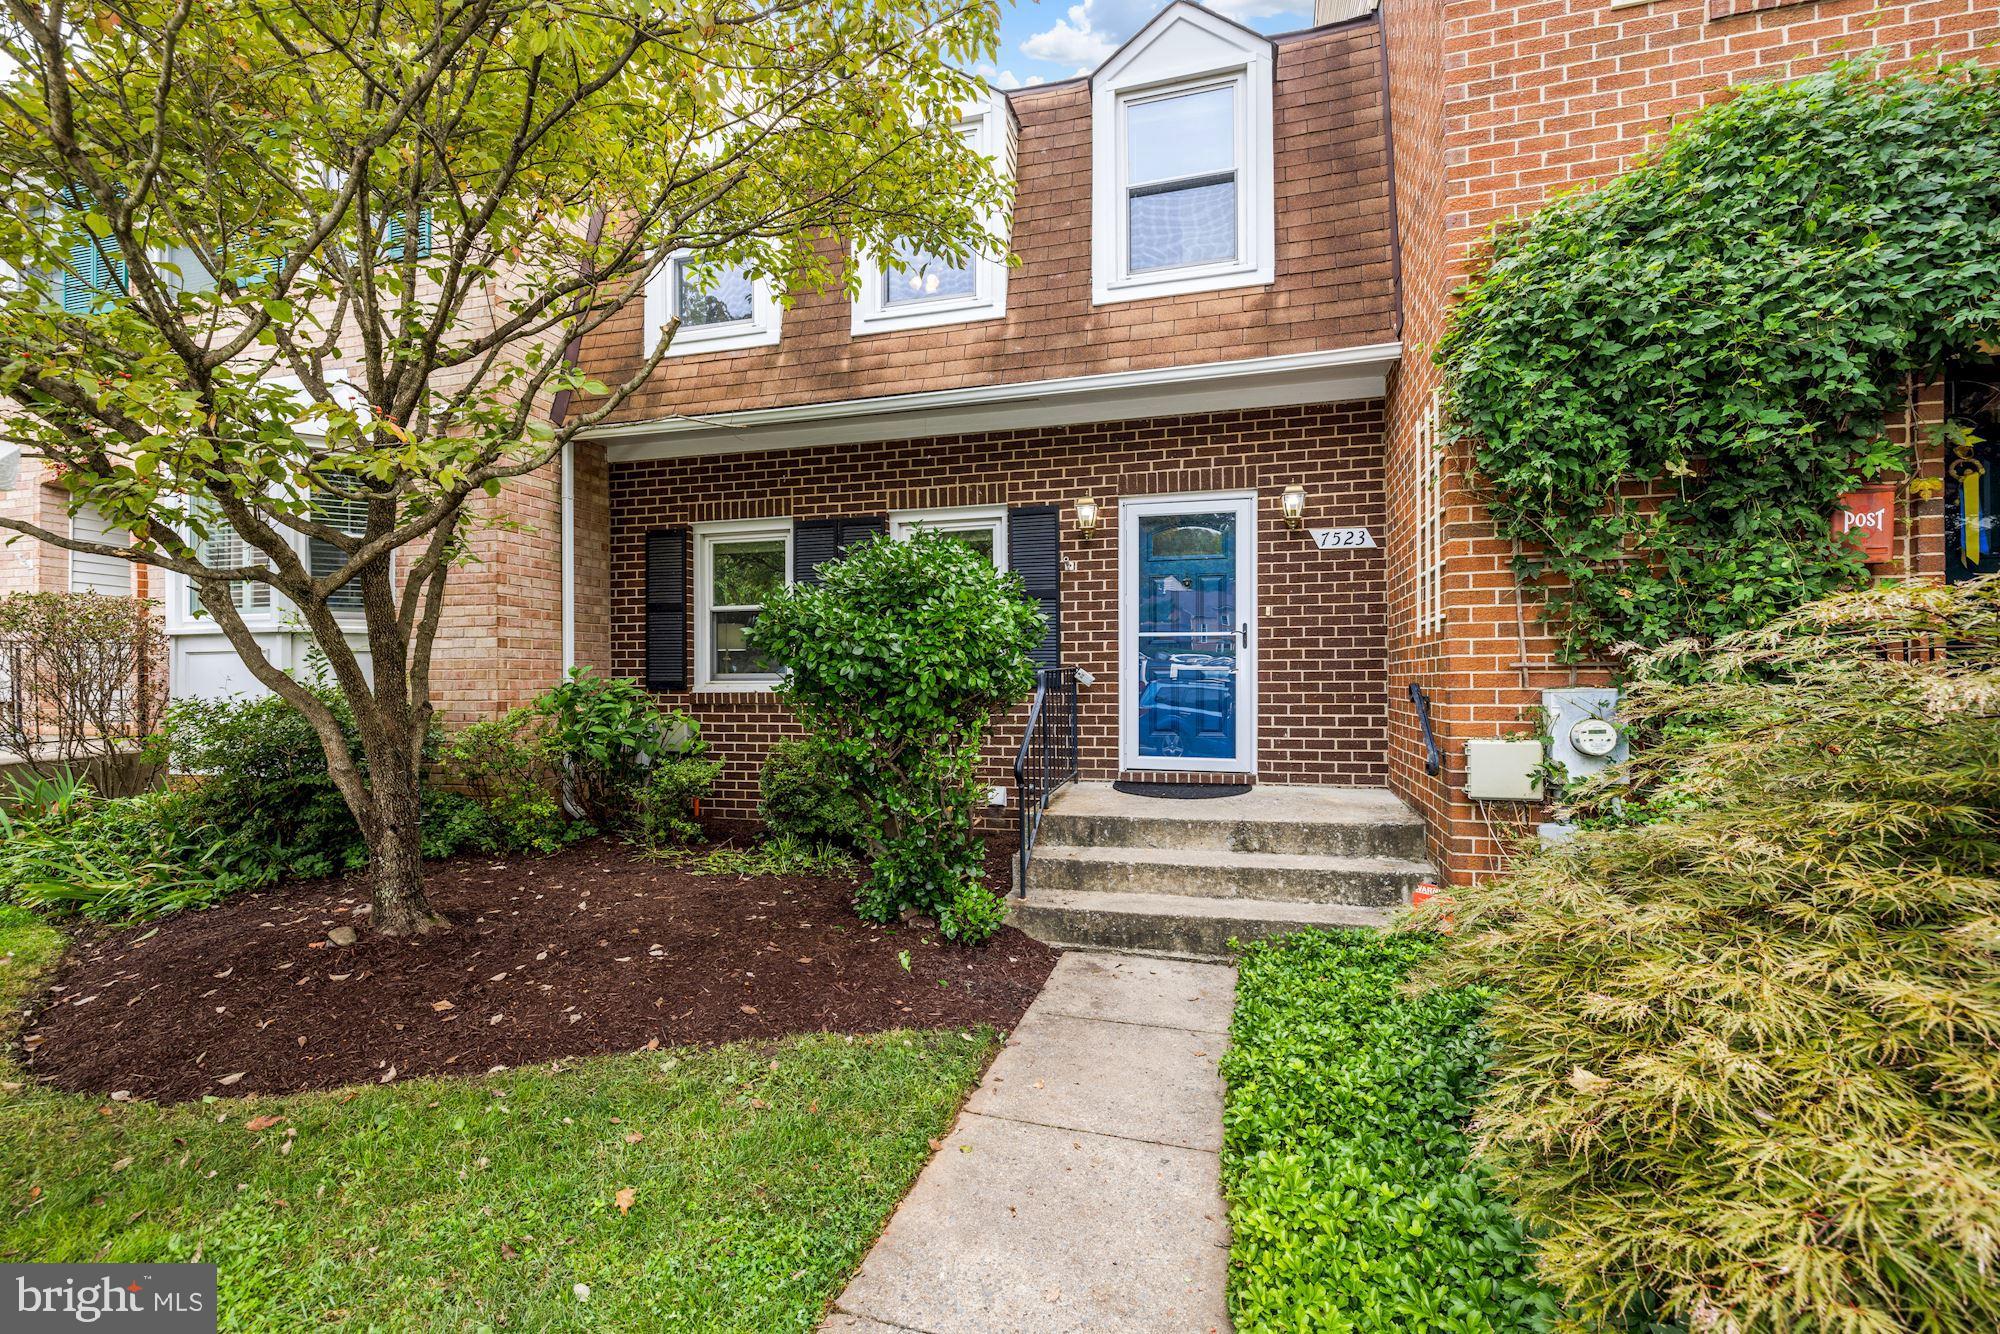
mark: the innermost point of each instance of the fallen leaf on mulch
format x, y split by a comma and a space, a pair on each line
747, 1009
625, 1199
231, 1079
257, 1123
441, 1006
387, 1075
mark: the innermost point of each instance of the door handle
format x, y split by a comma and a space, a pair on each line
1244, 631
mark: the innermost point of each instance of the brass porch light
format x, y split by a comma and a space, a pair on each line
1086, 516
1293, 505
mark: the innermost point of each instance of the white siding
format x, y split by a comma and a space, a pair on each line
98, 574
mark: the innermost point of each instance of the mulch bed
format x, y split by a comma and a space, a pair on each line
592, 950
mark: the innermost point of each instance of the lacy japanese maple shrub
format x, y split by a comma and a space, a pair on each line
1747, 1069
895, 659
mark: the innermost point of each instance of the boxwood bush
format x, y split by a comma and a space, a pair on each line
1352, 1205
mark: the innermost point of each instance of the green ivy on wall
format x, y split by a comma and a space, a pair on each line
1667, 382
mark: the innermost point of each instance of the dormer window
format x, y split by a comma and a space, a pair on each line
1182, 160
920, 290
720, 307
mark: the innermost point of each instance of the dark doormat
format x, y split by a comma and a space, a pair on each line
1182, 791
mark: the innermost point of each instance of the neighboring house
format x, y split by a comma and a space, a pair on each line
1234, 253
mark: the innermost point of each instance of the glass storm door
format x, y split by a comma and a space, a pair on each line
1189, 607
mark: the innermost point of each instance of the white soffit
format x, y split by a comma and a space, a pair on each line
1335, 375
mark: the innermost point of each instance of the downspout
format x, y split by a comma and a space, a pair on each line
1389, 161
558, 410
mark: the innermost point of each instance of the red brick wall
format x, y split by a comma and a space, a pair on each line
1332, 284
1539, 98
1321, 613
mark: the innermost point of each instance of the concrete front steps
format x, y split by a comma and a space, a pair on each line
1116, 871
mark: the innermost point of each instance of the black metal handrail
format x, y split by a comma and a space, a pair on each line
1047, 758
1433, 757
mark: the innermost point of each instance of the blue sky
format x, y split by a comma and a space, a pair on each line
1045, 40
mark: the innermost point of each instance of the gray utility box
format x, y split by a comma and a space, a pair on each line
1584, 736
1503, 770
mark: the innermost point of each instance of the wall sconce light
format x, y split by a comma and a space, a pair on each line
1294, 505
1086, 516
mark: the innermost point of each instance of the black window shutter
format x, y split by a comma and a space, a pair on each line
666, 609
1034, 551
859, 528
814, 542
817, 541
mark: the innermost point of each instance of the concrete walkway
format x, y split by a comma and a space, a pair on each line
1079, 1190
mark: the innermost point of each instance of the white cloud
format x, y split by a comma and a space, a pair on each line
1004, 78
1071, 41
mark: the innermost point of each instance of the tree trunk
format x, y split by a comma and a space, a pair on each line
396, 862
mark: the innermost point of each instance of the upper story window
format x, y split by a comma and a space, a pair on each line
720, 307
1182, 161
919, 290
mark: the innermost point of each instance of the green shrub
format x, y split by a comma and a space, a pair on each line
607, 734
803, 794
1352, 1206
1746, 1068
663, 808
263, 782
896, 658
508, 767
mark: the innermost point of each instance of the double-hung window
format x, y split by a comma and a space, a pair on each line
1182, 161
915, 289
738, 566
221, 547
720, 306
349, 515
981, 527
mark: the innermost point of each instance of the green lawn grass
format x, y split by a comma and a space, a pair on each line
760, 1174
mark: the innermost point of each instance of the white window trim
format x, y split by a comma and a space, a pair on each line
1183, 50
989, 128
662, 302
280, 613
1428, 461
905, 524
706, 537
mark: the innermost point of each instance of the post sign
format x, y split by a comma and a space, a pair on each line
1867, 517
1342, 539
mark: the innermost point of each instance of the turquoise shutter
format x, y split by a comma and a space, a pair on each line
392, 235
91, 276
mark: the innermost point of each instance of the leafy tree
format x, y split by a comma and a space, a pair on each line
1745, 1071
296, 277
895, 661
1667, 382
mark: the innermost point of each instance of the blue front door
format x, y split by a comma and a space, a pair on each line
1191, 634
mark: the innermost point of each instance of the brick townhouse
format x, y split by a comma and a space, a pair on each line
1198, 416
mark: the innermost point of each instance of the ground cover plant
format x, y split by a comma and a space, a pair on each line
1667, 382
895, 660
1353, 1205
732, 1188
1745, 1072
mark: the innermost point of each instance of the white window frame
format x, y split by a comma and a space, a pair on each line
1184, 50
1427, 460
904, 524
663, 304
990, 130
278, 613
707, 537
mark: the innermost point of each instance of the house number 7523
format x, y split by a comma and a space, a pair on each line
1333, 539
